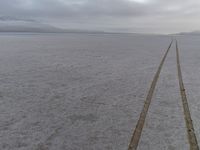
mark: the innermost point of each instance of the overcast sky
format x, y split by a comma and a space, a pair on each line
151, 16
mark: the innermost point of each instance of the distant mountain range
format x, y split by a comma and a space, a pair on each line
25, 27
11, 24
36, 27
15, 24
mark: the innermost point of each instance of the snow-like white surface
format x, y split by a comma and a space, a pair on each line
86, 91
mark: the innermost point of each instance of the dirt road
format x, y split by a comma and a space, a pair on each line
189, 125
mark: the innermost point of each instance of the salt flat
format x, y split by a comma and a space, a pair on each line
86, 91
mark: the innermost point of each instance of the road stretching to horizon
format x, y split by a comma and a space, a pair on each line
188, 120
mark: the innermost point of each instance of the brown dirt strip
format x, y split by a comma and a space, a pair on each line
188, 120
138, 129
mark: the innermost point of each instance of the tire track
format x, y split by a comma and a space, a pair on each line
138, 129
188, 120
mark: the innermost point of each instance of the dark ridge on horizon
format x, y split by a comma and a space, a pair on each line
196, 32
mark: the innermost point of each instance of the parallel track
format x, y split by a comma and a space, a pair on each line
140, 124
188, 120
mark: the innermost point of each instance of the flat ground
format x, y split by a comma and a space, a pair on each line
86, 91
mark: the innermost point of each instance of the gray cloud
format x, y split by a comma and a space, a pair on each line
130, 15
67, 8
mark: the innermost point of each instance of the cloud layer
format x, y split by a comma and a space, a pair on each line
156, 16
